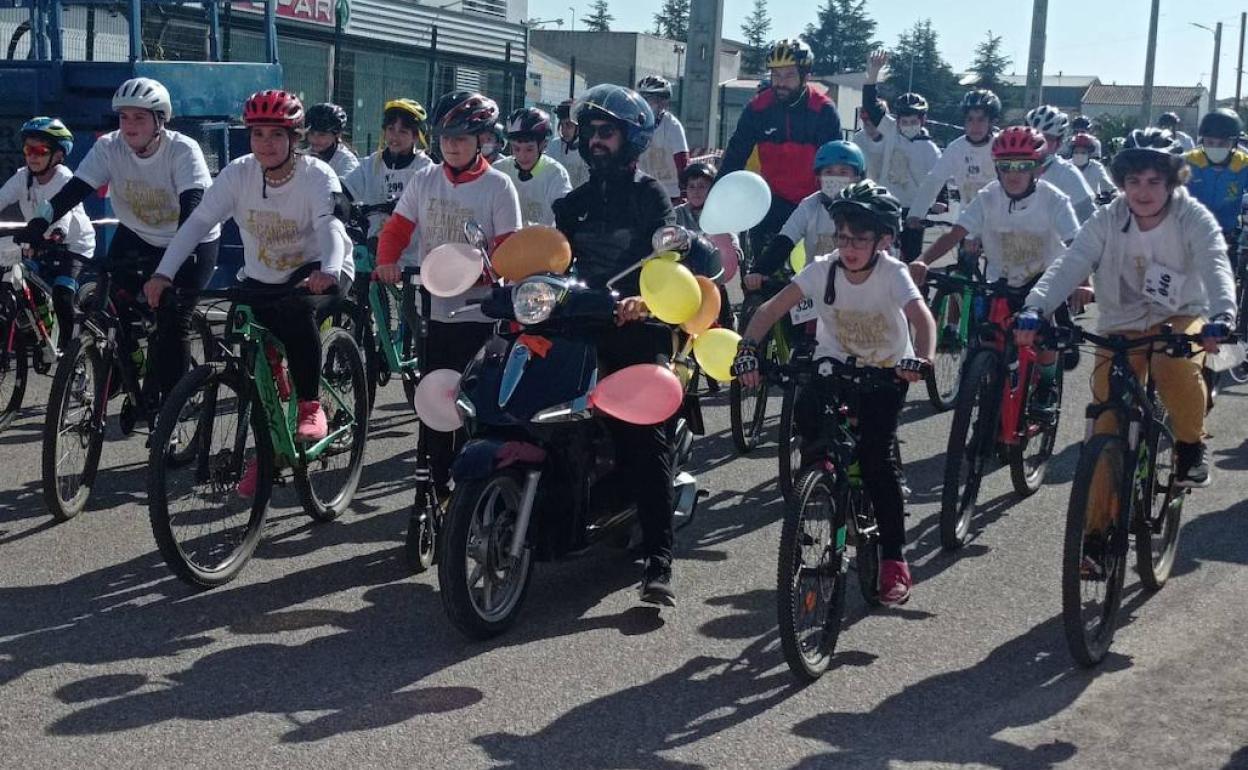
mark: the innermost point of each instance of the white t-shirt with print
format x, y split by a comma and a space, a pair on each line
658, 161
968, 166
29, 195
282, 228
1066, 177
343, 161
1021, 238
811, 223
549, 182
867, 320
374, 182
440, 207
1160, 248
144, 191
570, 158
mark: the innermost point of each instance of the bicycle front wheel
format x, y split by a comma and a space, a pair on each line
967, 453
13, 367
1029, 458
810, 577
1094, 549
790, 454
951, 351
205, 520
74, 428
1159, 510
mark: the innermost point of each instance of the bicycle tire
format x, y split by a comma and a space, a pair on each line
959, 495
88, 432
944, 379
1089, 642
1157, 545
218, 469
14, 368
809, 662
747, 408
1026, 474
789, 451
341, 365
867, 554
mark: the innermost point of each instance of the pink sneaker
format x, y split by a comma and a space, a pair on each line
311, 426
247, 484
894, 583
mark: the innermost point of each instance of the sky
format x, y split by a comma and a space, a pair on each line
1085, 37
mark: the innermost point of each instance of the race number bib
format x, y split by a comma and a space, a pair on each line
803, 311
1163, 286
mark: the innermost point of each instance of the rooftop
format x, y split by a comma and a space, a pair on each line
1050, 81
1163, 96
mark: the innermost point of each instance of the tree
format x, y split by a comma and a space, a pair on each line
990, 63
672, 20
756, 29
916, 65
599, 20
842, 38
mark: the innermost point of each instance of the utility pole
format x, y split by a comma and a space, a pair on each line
1239, 69
1217, 56
1150, 61
1035, 57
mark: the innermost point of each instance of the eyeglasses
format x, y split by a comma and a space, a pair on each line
857, 241
1015, 166
602, 130
36, 150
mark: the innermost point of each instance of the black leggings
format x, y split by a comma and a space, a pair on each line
448, 346
910, 243
169, 354
61, 273
295, 319
878, 413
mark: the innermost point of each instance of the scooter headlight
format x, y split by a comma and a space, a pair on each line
534, 301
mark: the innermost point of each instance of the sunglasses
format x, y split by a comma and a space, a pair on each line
602, 131
1015, 166
36, 150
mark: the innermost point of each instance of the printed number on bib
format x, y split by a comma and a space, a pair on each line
1163, 286
803, 311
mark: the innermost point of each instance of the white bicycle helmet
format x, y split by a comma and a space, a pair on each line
1049, 121
146, 94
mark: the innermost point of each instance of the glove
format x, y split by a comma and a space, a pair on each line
1218, 328
33, 232
747, 358
1028, 320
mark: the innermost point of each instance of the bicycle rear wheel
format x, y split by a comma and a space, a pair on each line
1029, 458
790, 454
205, 529
1159, 511
747, 408
327, 483
13, 368
810, 577
861, 513
951, 351
967, 455
74, 428
1094, 561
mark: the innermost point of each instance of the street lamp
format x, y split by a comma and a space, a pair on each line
679, 50
1217, 54
573, 11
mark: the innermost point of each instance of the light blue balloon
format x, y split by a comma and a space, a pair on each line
736, 203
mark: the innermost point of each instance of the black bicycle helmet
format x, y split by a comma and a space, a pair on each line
1222, 123
464, 112
910, 104
564, 110
528, 124
1080, 123
1169, 120
653, 85
326, 117
1143, 145
982, 99
873, 199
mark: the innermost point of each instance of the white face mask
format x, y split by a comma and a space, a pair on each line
831, 186
1218, 154
909, 131
1080, 159
488, 148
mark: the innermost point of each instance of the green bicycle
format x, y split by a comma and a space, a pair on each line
384, 324
234, 412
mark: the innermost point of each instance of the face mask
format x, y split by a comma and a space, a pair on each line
488, 148
831, 186
910, 132
1218, 154
1080, 159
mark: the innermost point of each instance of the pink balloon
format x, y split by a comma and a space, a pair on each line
450, 269
728, 255
643, 394
435, 401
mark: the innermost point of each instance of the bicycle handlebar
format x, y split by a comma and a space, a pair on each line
843, 371
1174, 342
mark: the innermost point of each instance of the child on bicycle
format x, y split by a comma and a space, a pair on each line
867, 304
539, 179
1157, 257
46, 142
383, 175
437, 202
1219, 170
966, 161
155, 178
283, 203
326, 122
1054, 124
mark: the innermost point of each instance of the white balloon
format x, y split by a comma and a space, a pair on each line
736, 203
435, 401
450, 269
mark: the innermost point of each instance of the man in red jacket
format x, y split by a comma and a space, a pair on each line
785, 124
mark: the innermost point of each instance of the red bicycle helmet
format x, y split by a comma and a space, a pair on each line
1083, 141
464, 112
1018, 143
273, 108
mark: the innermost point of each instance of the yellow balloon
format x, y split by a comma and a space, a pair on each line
797, 257
715, 351
708, 312
670, 256
670, 291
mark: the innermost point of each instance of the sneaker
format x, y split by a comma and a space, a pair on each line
895, 582
312, 425
656, 583
247, 484
1191, 465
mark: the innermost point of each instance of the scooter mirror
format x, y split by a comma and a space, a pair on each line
671, 238
475, 235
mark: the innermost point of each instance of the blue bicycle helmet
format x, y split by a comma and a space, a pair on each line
842, 153
50, 129
622, 105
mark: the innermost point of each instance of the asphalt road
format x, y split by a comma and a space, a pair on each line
326, 653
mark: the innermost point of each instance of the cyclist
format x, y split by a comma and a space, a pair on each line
539, 179
1154, 234
1171, 121
383, 175
785, 125
283, 203
1023, 222
668, 153
866, 303
564, 150
1080, 124
696, 180
156, 177
1057, 171
966, 161
1219, 171
838, 165
326, 122
46, 143
493, 141
900, 150
436, 202
1084, 150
